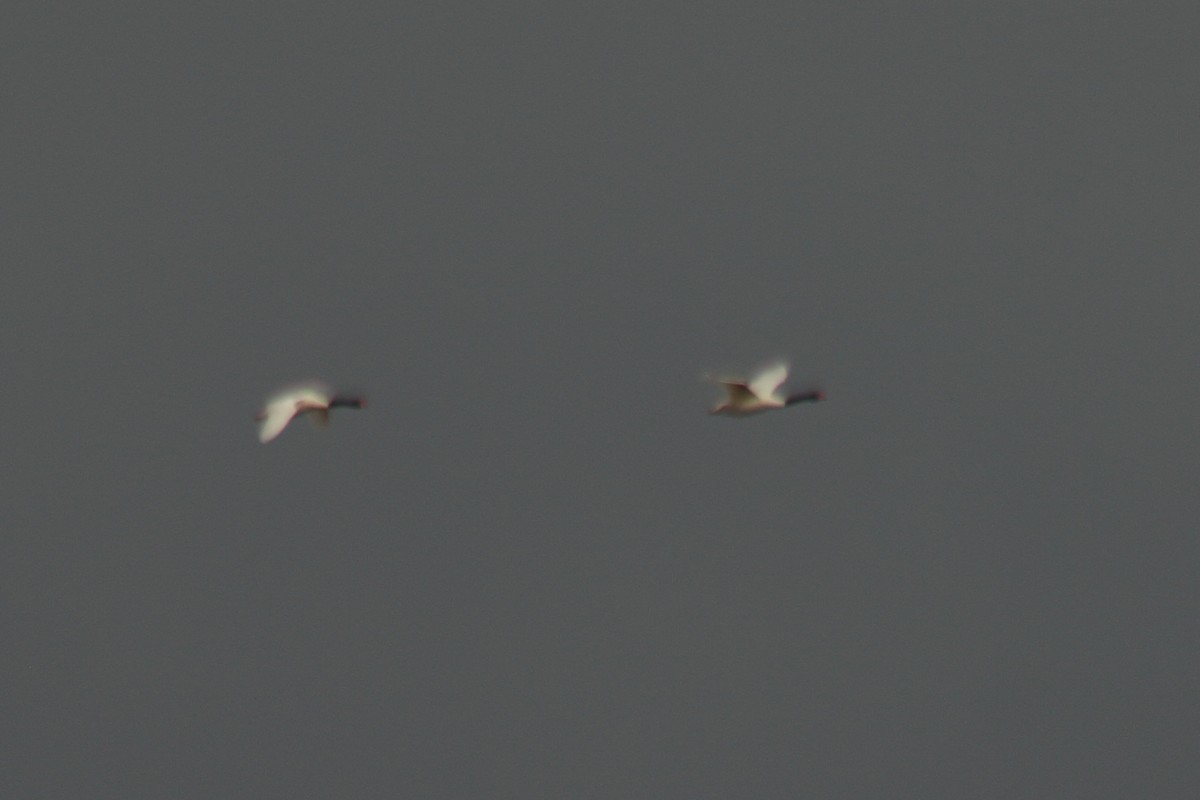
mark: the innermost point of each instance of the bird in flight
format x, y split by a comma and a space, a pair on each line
312, 397
761, 393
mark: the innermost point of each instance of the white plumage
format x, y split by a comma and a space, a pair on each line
760, 393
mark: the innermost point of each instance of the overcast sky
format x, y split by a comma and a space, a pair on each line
534, 566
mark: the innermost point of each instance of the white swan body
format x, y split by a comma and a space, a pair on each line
760, 393
311, 397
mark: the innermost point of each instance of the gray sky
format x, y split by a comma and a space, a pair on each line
535, 567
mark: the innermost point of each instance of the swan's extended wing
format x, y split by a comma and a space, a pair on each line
282, 406
766, 382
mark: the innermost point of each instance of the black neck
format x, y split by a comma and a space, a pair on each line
805, 397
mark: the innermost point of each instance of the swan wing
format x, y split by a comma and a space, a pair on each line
273, 419
739, 393
767, 382
285, 404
